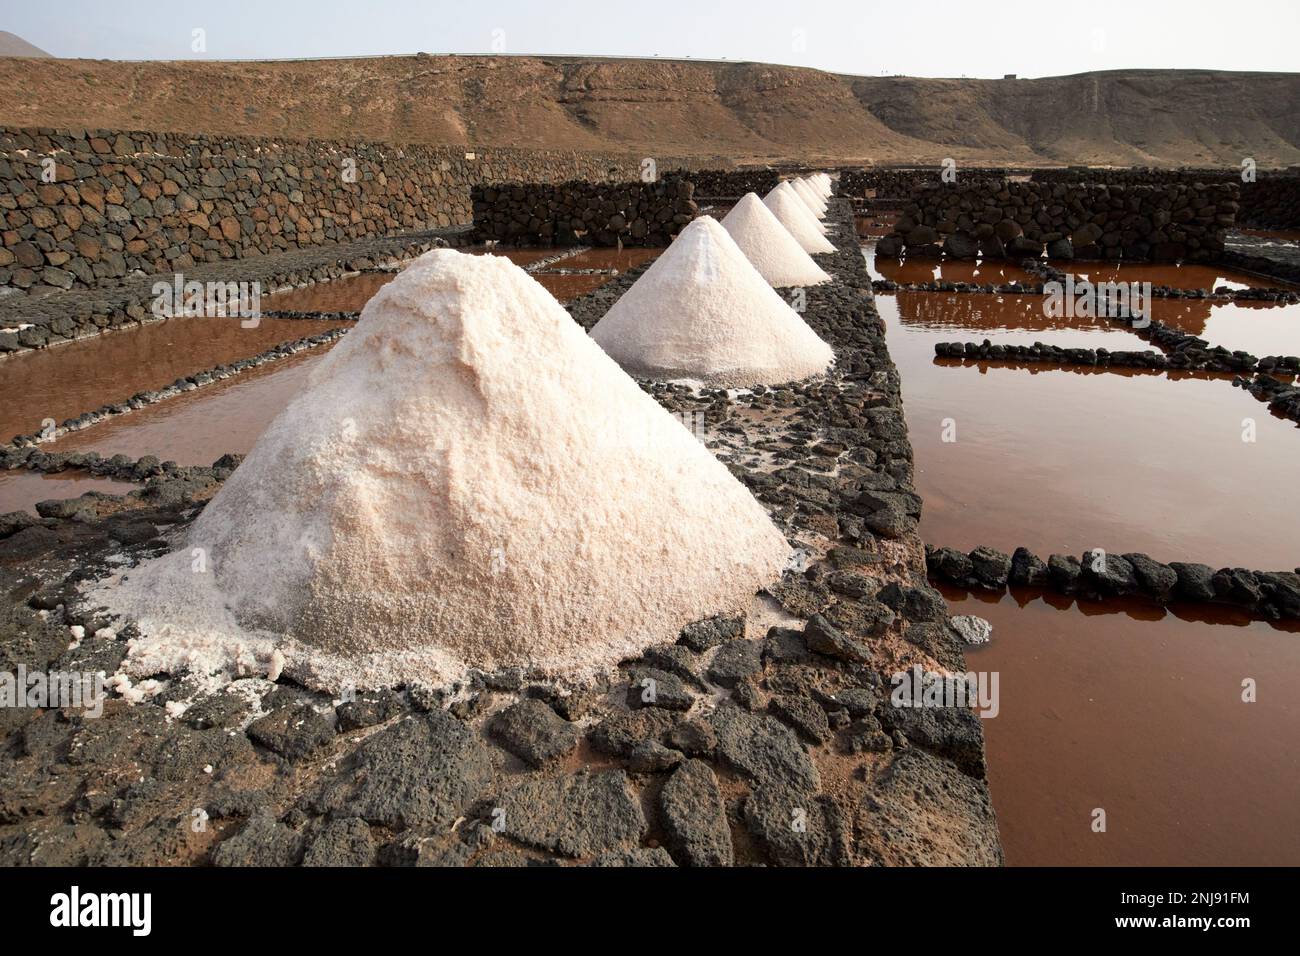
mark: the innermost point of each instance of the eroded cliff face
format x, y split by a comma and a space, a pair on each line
745, 111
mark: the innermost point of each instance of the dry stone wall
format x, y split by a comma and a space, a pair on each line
602, 214
1067, 220
88, 208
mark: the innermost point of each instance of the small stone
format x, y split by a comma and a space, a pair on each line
293, 731
695, 818
534, 733
973, 630
828, 640
734, 661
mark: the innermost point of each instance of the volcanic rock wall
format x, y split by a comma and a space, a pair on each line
602, 214
87, 208
1270, 201
732, 182
900, 183
998, 219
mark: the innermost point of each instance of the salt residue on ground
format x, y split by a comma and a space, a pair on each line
467, 482
703, 312
769, 246
797, 218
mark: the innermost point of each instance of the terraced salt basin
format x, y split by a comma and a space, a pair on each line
915, 271
21, 490
198, 427
1180, 276
67, 380
1260, 328
1064, 460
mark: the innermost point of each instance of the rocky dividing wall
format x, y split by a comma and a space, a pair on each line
88, 208
602, 214
1069, 220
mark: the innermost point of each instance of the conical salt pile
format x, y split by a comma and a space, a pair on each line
804, 203
821, 184
468, 481
813, 201
703, 312
769, 246
791, 212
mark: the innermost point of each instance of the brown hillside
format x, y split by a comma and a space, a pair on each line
746, 111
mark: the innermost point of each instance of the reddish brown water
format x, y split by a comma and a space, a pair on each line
1260, 328
1060, 461
1136, 711
200, 426
1006, 319
20, 490
66, 380
567, 288
1187, 276
349, 294
908, 271
622, 260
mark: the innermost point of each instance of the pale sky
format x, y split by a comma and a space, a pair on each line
926, 38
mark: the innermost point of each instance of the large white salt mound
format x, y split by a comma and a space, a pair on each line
821, 184
791, 212
786, 186
467, 481
703, 312
769, 246
810, 198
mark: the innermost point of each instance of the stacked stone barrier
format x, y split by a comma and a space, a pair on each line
88, 208
601, 214
996, 219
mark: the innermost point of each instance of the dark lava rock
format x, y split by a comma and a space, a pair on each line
694, 817
801, 713
866, 735
1237, 586
534, 733
651, 687
916, 604
1108, 573
889, 522
369, 708
862, 617
618, 734
949, 564
937, 640
28, 543
1282, 591
225, 709
990, 568
341, 843
784, 645
1064, 571
1195, 581
1027, 569
675, 659
703, 635
693, 737
923, 811
1155, 579
580, 815
11, 522
650, 756
822, 637
798, 828
263, 841
133, 532
762, 748
734, 661
293, 731
851, 584
422, 771
952, 732
638, 857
